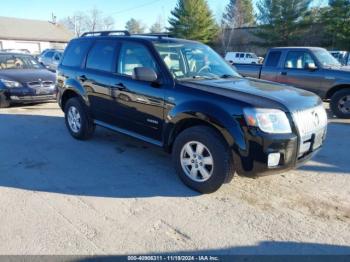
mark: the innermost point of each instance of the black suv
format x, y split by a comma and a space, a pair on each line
182, 96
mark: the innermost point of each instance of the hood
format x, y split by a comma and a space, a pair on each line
340, 71
27, 75
259, 93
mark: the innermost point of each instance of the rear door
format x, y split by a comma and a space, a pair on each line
99, 77
296, 73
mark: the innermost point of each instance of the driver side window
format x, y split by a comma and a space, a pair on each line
134, 55
299, 60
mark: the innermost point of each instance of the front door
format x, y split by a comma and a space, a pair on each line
297, 72
137, 105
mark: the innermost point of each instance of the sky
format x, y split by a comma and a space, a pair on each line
147, 11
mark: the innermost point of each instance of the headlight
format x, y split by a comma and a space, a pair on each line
10, 84
271, 121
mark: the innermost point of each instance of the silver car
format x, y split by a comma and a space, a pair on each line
51, 59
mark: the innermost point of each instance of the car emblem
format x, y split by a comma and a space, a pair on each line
316, 119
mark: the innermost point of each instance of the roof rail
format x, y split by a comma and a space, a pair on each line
159, 35
106, 33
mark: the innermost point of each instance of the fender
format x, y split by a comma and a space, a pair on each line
336, 87
72, 85
211, 114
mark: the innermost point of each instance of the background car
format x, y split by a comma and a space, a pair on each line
241, 58
19, 51
24, 80
342, 56
50, 58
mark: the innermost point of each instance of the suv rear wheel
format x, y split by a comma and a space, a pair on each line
78, 120
202, 159
340, 103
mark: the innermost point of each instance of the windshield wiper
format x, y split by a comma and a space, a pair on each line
198, 77
228, 76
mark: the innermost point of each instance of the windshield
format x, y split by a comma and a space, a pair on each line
325, 58
11, 61
193, 61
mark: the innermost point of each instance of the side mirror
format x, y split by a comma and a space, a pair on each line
311, 66
144, 74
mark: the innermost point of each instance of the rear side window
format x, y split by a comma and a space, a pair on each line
75, 53
273, 58
237, 55
102, 56
49, 54
241, 55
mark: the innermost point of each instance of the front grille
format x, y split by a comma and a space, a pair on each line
36, 84
310, 120
311, 124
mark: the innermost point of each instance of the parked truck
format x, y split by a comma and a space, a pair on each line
310, 68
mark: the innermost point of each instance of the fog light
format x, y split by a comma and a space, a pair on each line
274, 159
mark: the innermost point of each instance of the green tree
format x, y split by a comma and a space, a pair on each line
135, 26
192, 19
336, 18
238, 13
281, 22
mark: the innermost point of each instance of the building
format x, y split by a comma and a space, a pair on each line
33, 35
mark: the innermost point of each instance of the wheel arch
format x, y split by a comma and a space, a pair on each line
73, 89
223, 123
335, 89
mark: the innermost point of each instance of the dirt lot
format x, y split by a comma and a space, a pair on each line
115, 195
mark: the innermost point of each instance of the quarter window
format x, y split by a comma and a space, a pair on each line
134, 55
102, 56
75, 53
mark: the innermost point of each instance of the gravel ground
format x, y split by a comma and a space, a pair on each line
116, 195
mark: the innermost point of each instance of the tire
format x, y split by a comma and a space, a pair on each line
82, 121
4, 102
221, 170
336, 103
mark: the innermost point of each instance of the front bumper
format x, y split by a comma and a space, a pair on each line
254, 160
30, 99
30, 95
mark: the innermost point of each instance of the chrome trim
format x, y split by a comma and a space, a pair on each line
310, 124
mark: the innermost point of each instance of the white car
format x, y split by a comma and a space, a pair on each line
241, 58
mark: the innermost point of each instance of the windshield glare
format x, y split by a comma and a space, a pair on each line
325, 58
10, 61
194, 61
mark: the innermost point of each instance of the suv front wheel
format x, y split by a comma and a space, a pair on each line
78, 120
202, 159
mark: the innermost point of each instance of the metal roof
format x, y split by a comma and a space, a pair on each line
33, 30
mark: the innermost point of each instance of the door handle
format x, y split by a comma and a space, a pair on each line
82, 78
283, 73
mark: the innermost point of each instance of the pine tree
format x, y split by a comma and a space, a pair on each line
238, 13
282, 21
337, 20
192, 19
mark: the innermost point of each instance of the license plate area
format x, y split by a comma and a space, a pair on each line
318, 139
42, 91
311, 142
